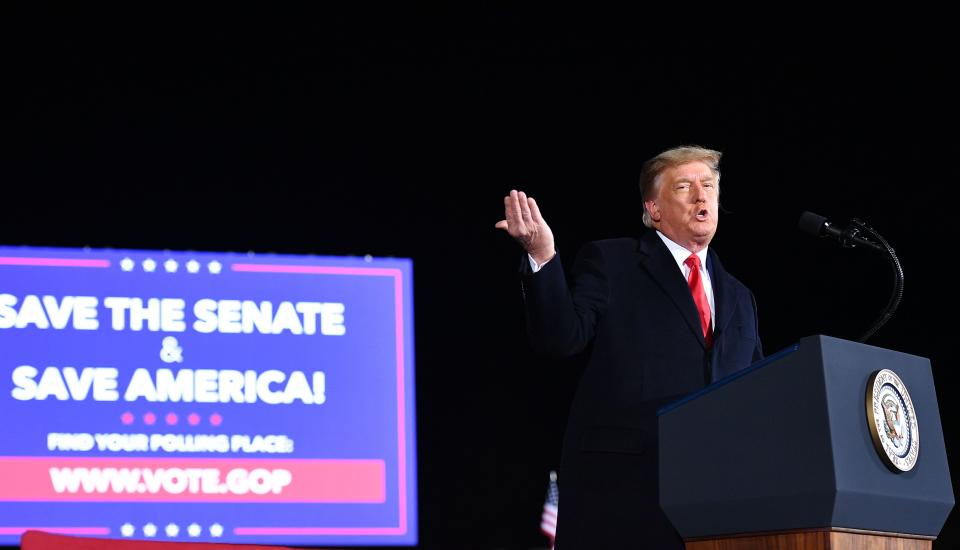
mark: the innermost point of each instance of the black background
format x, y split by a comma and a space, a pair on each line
397, 133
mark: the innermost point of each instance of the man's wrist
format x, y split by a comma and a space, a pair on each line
538, 261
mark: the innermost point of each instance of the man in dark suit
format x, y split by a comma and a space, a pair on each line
660, 317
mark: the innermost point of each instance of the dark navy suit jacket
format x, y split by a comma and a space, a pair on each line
629, 307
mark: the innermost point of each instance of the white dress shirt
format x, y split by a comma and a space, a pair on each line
680, 254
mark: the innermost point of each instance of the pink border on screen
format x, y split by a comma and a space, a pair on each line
401, 404
61, 530
53, 262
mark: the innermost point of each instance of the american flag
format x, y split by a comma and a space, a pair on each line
551, 509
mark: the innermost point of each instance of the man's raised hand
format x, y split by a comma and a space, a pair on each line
525, 224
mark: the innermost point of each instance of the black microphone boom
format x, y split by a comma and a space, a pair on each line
819, 226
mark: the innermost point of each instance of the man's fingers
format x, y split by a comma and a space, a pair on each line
521, 213
511, 205
535, 211
524, 207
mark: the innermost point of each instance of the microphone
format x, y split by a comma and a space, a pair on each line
818, 226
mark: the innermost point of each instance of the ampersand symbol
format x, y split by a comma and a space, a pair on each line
170, 351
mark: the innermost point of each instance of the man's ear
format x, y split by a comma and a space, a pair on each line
652, 209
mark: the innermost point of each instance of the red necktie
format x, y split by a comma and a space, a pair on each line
699, 297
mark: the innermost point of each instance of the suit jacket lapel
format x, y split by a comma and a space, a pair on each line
656, 259
724, 293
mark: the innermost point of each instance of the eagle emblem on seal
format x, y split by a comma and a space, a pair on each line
892, 421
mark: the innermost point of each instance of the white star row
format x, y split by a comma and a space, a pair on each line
170, 266
171, 530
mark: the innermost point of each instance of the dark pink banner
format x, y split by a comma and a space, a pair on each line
192, 479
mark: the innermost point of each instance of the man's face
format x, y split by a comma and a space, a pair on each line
686, 205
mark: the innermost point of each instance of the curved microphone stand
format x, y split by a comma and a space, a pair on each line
897, 293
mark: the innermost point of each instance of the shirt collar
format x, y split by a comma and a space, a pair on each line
680, 254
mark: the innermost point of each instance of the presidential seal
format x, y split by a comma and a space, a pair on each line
892, 421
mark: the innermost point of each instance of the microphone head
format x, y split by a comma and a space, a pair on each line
811, 223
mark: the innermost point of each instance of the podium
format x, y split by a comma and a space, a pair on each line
782, 454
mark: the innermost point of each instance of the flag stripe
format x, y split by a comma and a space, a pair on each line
551, 510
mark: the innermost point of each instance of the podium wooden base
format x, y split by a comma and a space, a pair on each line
814, 539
